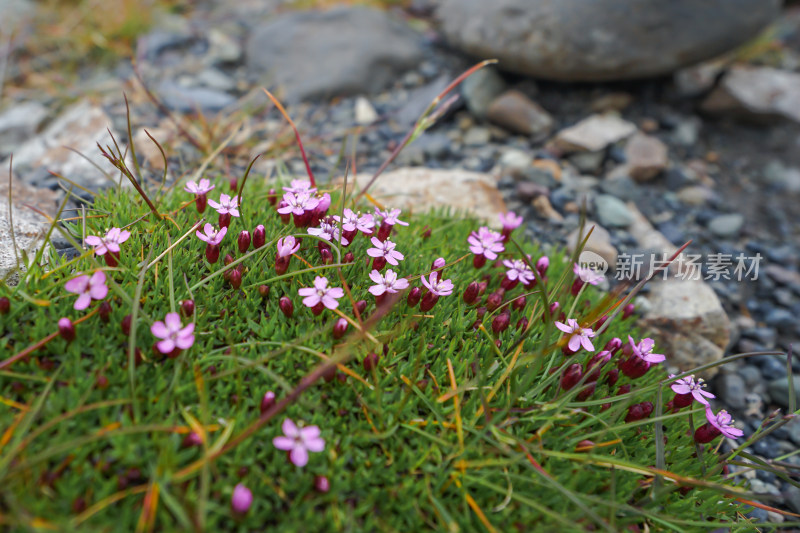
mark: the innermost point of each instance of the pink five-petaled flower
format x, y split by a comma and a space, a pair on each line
518, 270
299, 441
298, 203
210, 235
386, 250
172, 333
226, 205
587, 275
287, 246
321, 293
644, 350
89, 288
578, 336
510, 222
300, 186
723, 421
390, 217
110, 242
355, 221
329, 232
437, 286
204, 188
388, 283
486, 242
688, 385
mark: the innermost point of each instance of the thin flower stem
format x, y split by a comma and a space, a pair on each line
171, 246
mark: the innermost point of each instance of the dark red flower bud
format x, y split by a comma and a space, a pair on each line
234, 184
428, 301
518, 304
612, 376
586, 391
361, 306
706, 433
414, 296
613, 345
327, 256
682, 400
482, 287
302, 221
554, 307
272, 196
577, 285
5, 305
478, 261
599, 324
437, 266
263, 290
494, 300
224, 220
101, 382
191, 440
471, 293
243, 241
378, 263
235, 278
634, 367
259, 237
267, 401
624, 389
542, 264
285, 217
318, 309
126, 324
349, 257
628, 310
227, 260
286, 306
66, 329
508, 283
340, 328
111, 258
639, 411
212, 253
104, 310
187, 306
321, 484
596, 363
370, 361
426, 232
571, 376
481, 311
200, 202
500, 323
522, 324
384, 231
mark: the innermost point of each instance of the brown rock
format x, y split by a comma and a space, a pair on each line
545, 209
646, 157
519, 114
756, 93
594, 133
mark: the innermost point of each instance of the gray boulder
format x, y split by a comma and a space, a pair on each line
320, 54
598, 40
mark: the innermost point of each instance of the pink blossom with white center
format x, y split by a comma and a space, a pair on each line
578, 336
210, 235
300, 186
688, 385
510, 221
287, 246
385, 249
299, 441
437, 286
388, 283
518, 269
110, 242
298, 203
226, 205
390, 217
486, 242
644, 350
203, 188
587, 275
172, 333
321, 293
356, 221
723, 421
329, 232
88, 289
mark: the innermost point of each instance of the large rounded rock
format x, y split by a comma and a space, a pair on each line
597, 40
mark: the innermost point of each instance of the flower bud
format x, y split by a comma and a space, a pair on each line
518, 304
191, 439
101, 382
522, 324
500, 323
571, 376
706, 433
438, 263
349, 257
126, 324
482, 287
241, 499
426, 233
624, 389
682, 400
586, 391
370, 361
327, 256
494, 300
361, 306
272, 197
267, 401
243, 241
612, 376
378, 263
340, 328
285, 217
478, 261
66, 329
639, 411
259, 236
104, 310
263, 290
596, 363
212, 253
286, 306
5, 305
111, 258
321, 484
318, 309
235, 278
600, 322
634, 367
224, 220
554, 307
542, 264
200, 202
613, 345
628, 311
227, 260
187, 306
414, 296
428, 301
233, 183
471, 293
384, 231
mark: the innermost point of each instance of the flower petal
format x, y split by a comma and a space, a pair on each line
290, 428
159, 329
82, 302
315, 445
283, 443
173, 321
299, 456
165, 346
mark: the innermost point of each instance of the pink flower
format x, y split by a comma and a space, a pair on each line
437, 286
510, 221
385, 250
390, 217
329, 232
89, 288
321, 293
210, 235
298, 203
688, 385
226, 205
724, 423
356, 221
241, 499
486, 242
579, 336
110, 242
643, 350
299, 441
587, 275
193, 188
388, 283
518, 269
300, 186
172, 334
287, 246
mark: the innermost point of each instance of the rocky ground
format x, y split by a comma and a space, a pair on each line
709, 154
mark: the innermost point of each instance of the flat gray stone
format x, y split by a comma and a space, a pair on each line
18, 123
756, 93
726, 225
611, 211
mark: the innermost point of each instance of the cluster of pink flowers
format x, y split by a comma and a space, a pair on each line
108, 245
